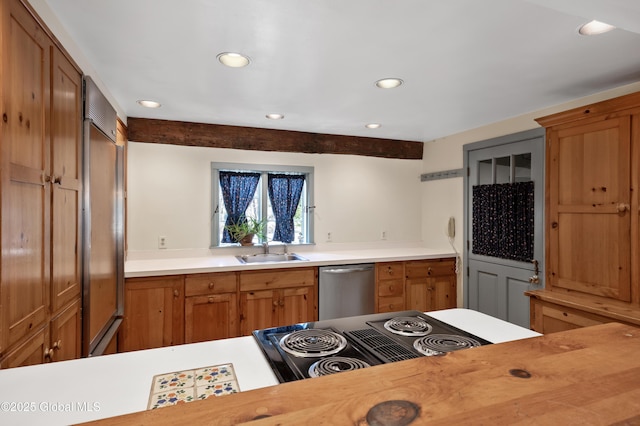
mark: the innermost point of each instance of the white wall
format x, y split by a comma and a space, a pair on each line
356, 197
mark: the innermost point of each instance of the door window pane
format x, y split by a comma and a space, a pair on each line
485, 172
503, 170
522, 167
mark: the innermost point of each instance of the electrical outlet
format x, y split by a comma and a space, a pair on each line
383, 235
162, 242
328, 236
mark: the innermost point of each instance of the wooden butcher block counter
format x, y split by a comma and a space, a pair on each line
584, 376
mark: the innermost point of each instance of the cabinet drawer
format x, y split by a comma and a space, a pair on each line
277, 278
391, 304
391, 288
390, 270
199, 284
430, 268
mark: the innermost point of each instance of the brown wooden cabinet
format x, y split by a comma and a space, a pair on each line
430, 284
592, 215
40, 185
153, 313
210, 307
390, 279
277, 297
422, 285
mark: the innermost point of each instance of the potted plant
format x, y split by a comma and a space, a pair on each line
243, 231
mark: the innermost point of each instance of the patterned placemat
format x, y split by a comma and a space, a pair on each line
185, 386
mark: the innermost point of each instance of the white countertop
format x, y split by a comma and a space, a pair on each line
106, 386
148, 267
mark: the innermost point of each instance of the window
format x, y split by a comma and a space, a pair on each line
268, 192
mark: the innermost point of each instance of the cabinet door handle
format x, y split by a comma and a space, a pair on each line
48, 353
57, 345
176, 293
622, 207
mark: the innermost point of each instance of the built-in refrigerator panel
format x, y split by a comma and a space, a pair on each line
103, 248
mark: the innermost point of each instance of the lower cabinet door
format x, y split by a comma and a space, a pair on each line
66, 332
210, 317
35, 350
153, 313
297, 305
259, 309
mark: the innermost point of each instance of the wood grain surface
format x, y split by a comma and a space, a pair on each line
587, 376
251, 138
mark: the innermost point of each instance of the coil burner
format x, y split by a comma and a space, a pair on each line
440, 344
335, 364
312, 343
408, 326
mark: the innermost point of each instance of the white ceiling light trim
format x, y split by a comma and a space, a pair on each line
274, 116
595, 27
149, 104
389, 83
233, 60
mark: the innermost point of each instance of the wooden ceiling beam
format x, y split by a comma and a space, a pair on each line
251, 138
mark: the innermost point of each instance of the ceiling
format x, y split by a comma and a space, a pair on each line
464, 63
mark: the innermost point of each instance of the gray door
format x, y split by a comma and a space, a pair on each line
494, 285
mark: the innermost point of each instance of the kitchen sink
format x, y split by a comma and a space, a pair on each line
269, 257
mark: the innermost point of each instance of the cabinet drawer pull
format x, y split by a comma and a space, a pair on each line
211, 300
211, 286
390, 288
391, 306
389, 270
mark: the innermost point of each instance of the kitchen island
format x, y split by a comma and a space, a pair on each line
112, 385
584, 376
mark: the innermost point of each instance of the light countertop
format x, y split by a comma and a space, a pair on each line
106, 386
164, 264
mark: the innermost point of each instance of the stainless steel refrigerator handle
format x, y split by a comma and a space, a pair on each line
345, 270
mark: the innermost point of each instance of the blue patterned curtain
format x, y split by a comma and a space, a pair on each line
503, 216
285, 191
237, 192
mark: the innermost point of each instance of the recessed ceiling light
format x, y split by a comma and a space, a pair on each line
594, 28
234, 60
389, 83
149, 104
274, 116
372, 125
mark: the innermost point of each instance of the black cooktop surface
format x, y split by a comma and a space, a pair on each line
367, 340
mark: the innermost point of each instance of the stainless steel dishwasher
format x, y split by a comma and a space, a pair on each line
346, 290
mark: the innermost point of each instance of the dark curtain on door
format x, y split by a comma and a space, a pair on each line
503, 220
237, 192
284, 192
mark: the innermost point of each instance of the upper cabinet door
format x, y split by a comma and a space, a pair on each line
589, 222
66, 130
26, 61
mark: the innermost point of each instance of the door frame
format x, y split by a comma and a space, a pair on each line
539, 224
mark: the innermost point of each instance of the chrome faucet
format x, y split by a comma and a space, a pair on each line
265, 246
285, 248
